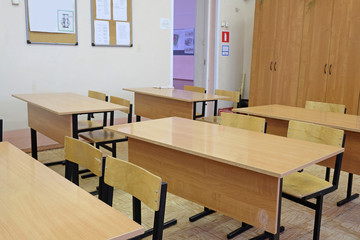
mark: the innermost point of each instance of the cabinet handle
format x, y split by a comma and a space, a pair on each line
270, 66
330, 69
275, 66
325, 68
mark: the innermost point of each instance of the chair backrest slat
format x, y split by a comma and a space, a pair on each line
233, 95
83, 154
97, 95
251, 123
315, 133
327, 107
134, 180
194, 89
121, 101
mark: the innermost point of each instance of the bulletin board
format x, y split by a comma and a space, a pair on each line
109, 25
51, 22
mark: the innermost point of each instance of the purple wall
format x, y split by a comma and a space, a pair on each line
184, 17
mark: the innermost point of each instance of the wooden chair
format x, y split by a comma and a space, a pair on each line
1, 130
199, 90
77, 153
251, 123
234, 96
103, 137
300, 187
144, 187
327, 107
89, 125
244, 122
194, 89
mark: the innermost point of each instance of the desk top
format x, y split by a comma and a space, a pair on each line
38, 203
264, 153
336, 120
68, 103
182, 95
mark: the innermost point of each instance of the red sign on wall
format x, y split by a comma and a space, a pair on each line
225, 36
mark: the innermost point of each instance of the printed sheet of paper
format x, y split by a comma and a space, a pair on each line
102, 32
56, 16
123, 33
120, 10
103, 9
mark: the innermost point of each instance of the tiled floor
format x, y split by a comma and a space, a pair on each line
338, 223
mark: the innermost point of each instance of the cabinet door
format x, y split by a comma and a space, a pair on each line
289, 28
315, 47
263, 52
344, 79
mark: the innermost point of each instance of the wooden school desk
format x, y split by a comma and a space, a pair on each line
236, 172
278, 116
56, 114
38, 203
160, 103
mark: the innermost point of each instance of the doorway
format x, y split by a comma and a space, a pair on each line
190, 55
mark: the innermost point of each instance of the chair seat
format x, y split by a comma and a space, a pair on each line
102, 135
210, 119
303, 184
87, 124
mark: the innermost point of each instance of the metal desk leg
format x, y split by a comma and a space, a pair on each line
207, 211
349, 197
194, 111
75, 134
203, 109
34, 144
1, 130
244, 227
215, 107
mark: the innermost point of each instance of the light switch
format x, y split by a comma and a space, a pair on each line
165, 23
15, 2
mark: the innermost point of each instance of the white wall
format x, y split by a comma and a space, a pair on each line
240, 16
49, 68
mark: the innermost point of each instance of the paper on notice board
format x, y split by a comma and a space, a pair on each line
103, 9
102, 33
120, 10
52, 16
123, 33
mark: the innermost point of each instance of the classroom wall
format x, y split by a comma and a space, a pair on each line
39, 68
240, 17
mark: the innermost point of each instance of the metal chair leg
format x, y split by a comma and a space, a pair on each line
327, 174
318, 213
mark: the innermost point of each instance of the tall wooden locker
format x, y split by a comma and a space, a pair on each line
262, 52
343, 84
329, 69
276, 52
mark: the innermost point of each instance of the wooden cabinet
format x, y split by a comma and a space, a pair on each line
343, 84
262, 53
315, 52
276, 52
330, 70
306, 50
